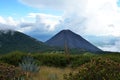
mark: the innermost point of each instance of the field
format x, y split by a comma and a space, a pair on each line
56, 66
46, 73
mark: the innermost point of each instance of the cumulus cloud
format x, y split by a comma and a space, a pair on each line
74, 23
104, 18
42, 23
49, 20
2, 20
8, 23
99, 14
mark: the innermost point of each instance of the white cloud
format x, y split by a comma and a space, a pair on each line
105, 19
114, 48
47, 19
11, 21
74, 23
41, 23
99, 14
2, 20
8, 23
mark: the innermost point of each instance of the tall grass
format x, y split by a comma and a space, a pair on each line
47, 72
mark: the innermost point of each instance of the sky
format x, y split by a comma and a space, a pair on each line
98, 21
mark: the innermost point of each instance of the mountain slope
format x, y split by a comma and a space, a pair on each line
14, 40
72, 40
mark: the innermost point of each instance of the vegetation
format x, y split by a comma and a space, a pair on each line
29, 66
51, 73
55, 60
54, 65
10, 72
97, 69
13, 58
14, 40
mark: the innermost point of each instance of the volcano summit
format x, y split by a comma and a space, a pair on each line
72, 40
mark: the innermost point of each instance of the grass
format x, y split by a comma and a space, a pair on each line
45, 73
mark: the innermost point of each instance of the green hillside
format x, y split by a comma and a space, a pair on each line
16, 41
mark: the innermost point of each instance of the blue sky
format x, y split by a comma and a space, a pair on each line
96, 20
16, 9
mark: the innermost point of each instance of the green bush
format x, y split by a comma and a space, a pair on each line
56, 60
113, 56
62, 60
13, 58
78, 60
97, 69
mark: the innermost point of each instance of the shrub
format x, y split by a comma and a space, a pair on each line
9, 72
78, 60
56, 60
13, 58
97, 69
29, 66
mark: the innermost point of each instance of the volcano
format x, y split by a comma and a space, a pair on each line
72, 40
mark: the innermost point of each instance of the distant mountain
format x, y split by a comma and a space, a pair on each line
17, 41
72, 41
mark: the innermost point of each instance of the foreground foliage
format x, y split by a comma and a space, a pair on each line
29, 66
13, 58
97, 69
85, 66
51, 73
10, 72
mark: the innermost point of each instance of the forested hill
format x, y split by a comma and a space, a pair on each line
17, 41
